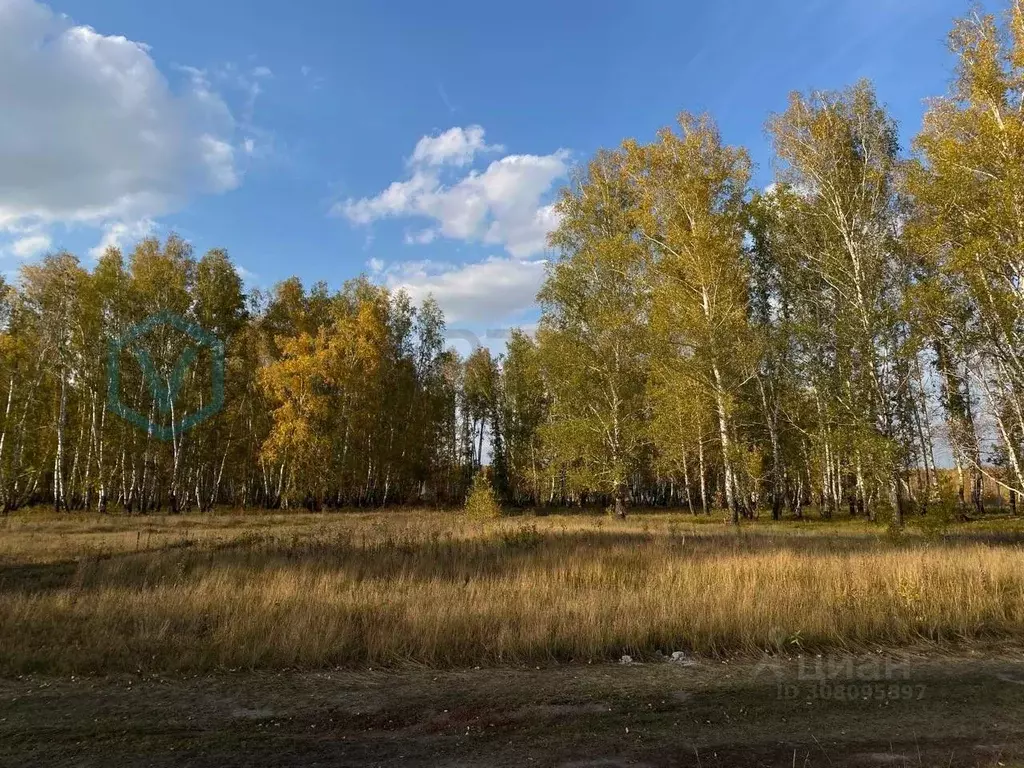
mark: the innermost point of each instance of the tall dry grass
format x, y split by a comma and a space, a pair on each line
435, 588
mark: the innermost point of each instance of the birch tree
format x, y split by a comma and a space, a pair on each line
838, 166
968, 184
691, 199
594, 331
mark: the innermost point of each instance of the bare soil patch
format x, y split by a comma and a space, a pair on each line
948, 711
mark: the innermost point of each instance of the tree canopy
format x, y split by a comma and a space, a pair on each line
850, 337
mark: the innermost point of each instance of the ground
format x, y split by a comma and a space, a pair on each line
424, 639
943, 711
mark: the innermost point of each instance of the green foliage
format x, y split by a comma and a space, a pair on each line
783, 349
940, 517
594, 332
481, 503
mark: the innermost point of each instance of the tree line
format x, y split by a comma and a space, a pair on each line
832, 340
819, 341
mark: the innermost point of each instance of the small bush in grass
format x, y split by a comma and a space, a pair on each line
941, 516
525, 537
481, 501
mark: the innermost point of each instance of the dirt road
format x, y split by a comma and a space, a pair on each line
807, 711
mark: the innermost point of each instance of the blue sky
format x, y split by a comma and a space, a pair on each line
272, 129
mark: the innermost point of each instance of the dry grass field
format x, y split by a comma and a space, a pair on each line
230, 591
413, 637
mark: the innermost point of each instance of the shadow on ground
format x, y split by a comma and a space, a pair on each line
453, 559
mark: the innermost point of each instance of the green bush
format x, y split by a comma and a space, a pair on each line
481, 501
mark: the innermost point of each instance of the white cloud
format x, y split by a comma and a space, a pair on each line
501, 205
456, 146
489, 291
121, 234
401, 197
423, 237
219, 157
92, 132
247, 275
31, 245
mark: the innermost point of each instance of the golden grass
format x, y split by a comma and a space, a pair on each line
231, 591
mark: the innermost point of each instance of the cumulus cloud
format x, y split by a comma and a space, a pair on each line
490, 291
121, 234
92, 132
501, 205
400, 198
456, 146
30, 245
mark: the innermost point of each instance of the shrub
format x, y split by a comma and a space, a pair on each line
481, 501
525, 538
